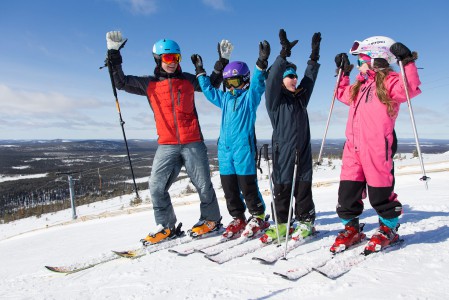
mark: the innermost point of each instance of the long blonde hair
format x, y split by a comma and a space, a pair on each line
381, 91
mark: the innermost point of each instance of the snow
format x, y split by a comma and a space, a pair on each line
419, 269
4, 178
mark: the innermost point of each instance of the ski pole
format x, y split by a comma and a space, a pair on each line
270, 178
330, 114
412, 118
292, 196
122, 123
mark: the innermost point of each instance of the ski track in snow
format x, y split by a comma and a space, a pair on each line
417, 270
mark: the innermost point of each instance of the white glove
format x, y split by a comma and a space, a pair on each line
114, 40
226, 49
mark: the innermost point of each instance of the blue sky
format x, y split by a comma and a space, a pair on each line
51, 86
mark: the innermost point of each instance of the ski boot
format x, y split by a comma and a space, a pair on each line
161, 234
351, 235
384, 237
204, 226
256, 224
235, 228
303, 230
271, 234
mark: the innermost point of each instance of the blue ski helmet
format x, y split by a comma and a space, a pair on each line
236, 68
166, 46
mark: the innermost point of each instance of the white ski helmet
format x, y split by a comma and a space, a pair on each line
375, 47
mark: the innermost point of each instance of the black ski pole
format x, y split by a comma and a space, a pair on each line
122, 123
270, 178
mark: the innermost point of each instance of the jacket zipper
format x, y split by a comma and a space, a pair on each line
179, 97
386, 149
174, 109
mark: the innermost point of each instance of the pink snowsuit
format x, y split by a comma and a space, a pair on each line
371, 142
369, 130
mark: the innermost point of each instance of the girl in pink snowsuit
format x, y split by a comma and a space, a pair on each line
371, 143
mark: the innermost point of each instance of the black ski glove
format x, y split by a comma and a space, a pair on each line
222, 62
316, 41
264, 53
114, 57
198, 63
342, 62
403, 53
287, 46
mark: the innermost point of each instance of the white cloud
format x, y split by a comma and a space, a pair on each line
215, 4
21, 102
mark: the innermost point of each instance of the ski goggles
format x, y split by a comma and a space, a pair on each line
292, 76
234, 82
360, 62
170, 58
355, 46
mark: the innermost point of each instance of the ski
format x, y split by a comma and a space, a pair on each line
80, 267
278, 252
233, 241
242, 247
338, 267
130, 254
166, 244
316, 260
185, 250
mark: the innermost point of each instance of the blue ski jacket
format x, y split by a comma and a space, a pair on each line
237, 148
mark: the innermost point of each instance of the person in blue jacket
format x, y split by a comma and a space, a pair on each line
237, 149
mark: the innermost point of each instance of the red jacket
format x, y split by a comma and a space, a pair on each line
172, 99
173, 104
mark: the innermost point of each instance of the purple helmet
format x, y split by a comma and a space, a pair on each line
235, 69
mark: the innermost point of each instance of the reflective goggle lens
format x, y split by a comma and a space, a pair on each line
355, 46
360, 62
292, 76
233, 82
170, 58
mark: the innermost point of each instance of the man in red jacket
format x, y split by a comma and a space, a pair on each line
170, 93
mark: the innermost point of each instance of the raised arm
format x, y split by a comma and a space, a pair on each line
343, 89
311, 73
131, 84
214, 95
224, 49
273, 92
395, 84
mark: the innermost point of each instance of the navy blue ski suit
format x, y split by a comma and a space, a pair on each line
291, 134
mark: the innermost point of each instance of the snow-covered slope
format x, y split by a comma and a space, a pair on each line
418, 270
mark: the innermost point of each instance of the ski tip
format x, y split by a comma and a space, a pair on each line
60, 270
282, 275
211, 258
53, 269
263, 261
127, 254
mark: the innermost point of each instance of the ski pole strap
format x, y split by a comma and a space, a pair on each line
258, 159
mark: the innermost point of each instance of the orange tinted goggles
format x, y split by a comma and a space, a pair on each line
234, 82
170, 58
